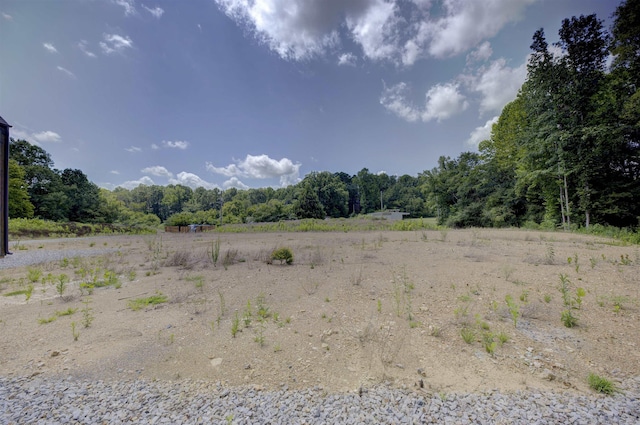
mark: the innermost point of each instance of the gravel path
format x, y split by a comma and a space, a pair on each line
33, 256
42, 400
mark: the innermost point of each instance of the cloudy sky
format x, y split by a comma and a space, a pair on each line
255, 93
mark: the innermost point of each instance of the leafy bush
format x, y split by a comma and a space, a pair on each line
283, 255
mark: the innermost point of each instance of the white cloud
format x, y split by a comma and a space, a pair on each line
50, 47
234, 182
468, 22
133, 149
154, 146
66, 71
442, 102
128, 5
116, 172
158, 171
7, 16
481, 133
498, 84
347, 59
156, 11
481, 54
261, 167
394, 99
19, 134
374, 28
114, 43
398, 31
131, 184
47, 137
192, 180
178, 144
82, 45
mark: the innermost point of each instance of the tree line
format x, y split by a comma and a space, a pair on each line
565, 152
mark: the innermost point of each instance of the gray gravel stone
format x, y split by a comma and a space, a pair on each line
49, 400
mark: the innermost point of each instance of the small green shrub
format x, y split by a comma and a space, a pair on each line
139, 303
467, 334
284, 255
569, 319
601, 385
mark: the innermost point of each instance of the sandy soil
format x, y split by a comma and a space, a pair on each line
354, 309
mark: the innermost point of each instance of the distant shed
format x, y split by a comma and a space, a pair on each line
389, 215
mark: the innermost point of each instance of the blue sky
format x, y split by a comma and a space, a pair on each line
255, 93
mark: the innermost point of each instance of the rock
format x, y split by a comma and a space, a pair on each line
216, 362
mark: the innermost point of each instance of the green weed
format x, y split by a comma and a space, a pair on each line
139, 303
601, 385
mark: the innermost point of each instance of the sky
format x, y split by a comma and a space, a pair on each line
257, 93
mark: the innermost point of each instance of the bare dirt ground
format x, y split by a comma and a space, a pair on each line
353, 310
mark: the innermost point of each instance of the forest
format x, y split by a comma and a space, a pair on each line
564, 154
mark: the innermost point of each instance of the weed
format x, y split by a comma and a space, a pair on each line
262, 309
489, 343
229, 258
624, 260
198, 282
61, 286
287, 320
413, 324
235, 325
284, 255
28, 292
436, 331
223, 308
259, 338
593, 262
524, 296
549, 257
547, 298
87, 313
580, 293
564, 289
461, 312
277, 348
15, 293
246, 316
67, 312
467, 334
215, 252
132, 275
327, 299
568, 319
33, 274
514, 310
44, 321
139, 303
503, 337
443, 235
465, 298
379, 307
601, 385
74, 331
507, 271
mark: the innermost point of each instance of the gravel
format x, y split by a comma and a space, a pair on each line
33, 256
50, 400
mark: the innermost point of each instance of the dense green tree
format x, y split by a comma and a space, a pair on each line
331, 191
307, 204
19, 204
82, 195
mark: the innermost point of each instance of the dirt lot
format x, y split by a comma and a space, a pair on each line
354, 309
